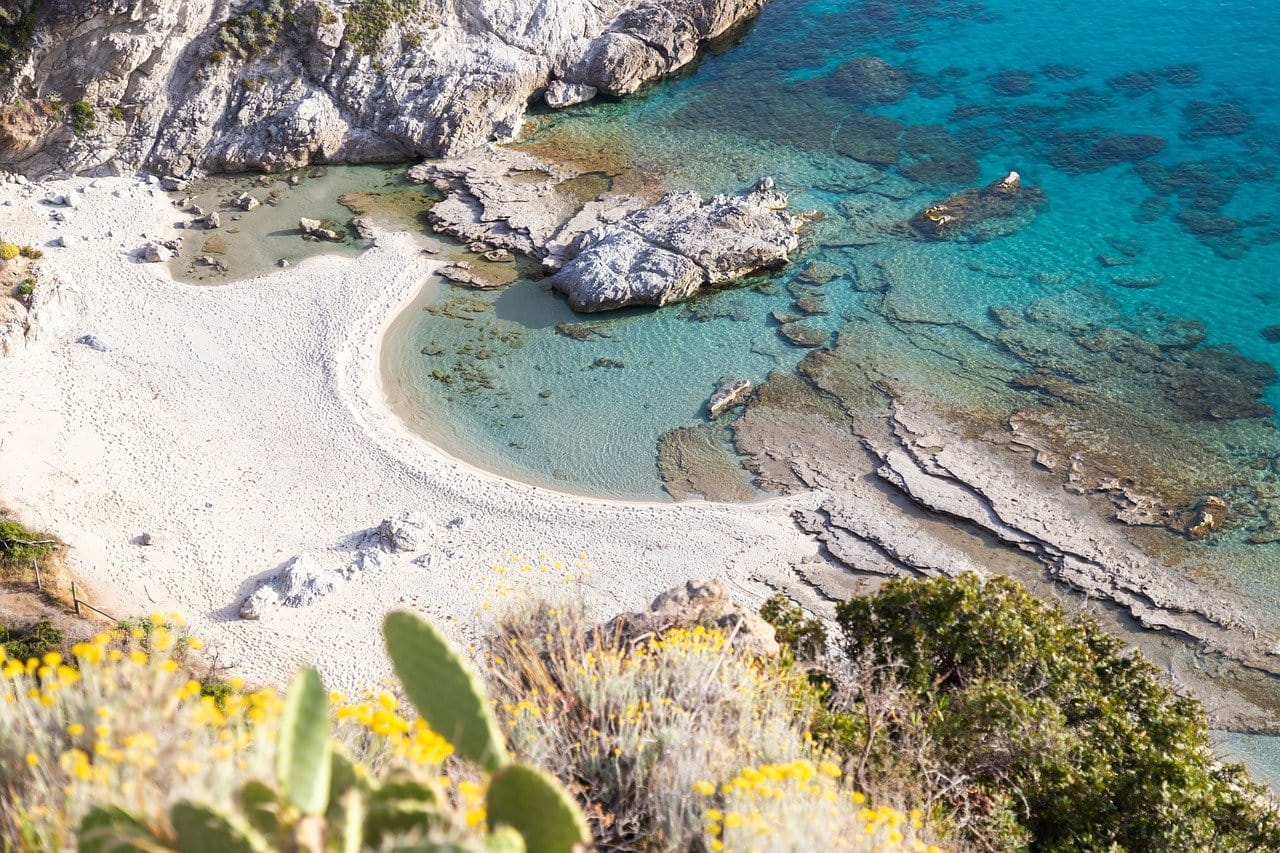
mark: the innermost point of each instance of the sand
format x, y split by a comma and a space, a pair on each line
242, 424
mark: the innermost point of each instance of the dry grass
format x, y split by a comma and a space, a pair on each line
676, 741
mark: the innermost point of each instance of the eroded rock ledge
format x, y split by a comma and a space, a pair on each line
897, 476
612, 248
214, 85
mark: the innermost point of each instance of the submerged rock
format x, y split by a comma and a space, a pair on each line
995, 210
730, 393
868, 80
695, 462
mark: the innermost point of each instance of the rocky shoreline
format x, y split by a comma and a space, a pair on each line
219, 86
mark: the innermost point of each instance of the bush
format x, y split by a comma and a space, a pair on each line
20, 547
81, 117
641, 726
123, 752
1035, 729
31, 641
8, 251
31, 252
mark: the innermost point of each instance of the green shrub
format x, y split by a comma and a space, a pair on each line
1063, 740
369, 21
30, 641
31, 252
20, 547
116, 113
805, 637
81, 117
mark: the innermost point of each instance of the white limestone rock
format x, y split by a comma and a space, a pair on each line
407, 532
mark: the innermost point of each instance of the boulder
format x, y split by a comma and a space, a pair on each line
409, 531
995, 210
315, 228
560, 94
301, 583
705, 603
668, 251
213, 220
156, 252
731, 393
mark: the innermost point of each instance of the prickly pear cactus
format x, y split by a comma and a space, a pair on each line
401, 806
444, 689
108, 829
200, 829
303, 750
537, 807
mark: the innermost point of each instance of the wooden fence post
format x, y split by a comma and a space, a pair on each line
75, 598
35, 564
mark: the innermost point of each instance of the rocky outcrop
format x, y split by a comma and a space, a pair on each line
616, 248
730, 393
700, 603
301, 583
998, 209
219, 85
671, 250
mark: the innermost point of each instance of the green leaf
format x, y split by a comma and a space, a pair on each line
536, 806
504, 839
108, 829
200, 829
443, 688
302, 753
401, 806
261, 807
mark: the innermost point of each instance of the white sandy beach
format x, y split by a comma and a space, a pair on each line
242, 424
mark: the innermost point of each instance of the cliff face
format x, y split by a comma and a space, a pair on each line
176, 86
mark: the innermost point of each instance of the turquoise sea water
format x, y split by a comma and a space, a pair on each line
1151, 126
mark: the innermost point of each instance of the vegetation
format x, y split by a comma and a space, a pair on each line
1021, 727
1011, 725
369, 21
642, 725
251, 31
81, 117
31, 252
9, 251
21, 547
17, 24
31, 641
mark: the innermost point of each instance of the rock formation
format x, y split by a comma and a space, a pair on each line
220, 85
671, 250
615, 249
995, 210
700, 603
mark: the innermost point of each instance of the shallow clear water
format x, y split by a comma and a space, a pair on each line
1039, 87
252, 242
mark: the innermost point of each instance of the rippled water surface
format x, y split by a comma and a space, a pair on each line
1150, 126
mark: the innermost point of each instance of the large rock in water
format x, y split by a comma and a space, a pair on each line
668, 251
996, 210
438, 80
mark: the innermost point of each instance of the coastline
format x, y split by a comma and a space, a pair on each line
138, 439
